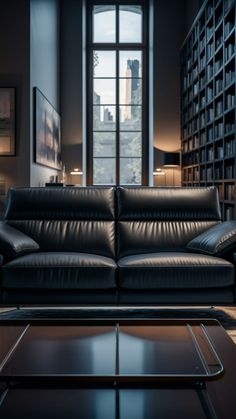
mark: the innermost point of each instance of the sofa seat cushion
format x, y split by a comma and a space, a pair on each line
60, 271
169, 270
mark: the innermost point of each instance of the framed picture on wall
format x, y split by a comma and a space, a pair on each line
47, 132
7, 121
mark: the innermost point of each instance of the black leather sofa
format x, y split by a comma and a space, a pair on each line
116, 246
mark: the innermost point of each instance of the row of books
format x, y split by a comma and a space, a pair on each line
230, 192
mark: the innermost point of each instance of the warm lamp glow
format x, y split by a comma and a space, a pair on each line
76, 171
158, 172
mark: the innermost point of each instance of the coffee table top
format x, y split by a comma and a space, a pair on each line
127, 351
116, 369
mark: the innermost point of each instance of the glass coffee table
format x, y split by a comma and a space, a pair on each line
109, 368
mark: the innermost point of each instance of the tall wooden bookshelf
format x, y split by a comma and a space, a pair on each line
208, 106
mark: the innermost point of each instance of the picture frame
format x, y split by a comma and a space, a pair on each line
47, 132
7, 121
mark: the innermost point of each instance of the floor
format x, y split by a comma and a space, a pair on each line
225, 314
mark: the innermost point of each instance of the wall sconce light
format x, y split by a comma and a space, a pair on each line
76, 172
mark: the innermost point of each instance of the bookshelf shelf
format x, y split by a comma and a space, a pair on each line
208, 103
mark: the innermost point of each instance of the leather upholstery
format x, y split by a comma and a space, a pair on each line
71, 236
14, 243
174, 271
83, 231
135, 237
60, 203
168, 203
163, 219
65, 219
60, 271
59, 296
176, 296
218, 240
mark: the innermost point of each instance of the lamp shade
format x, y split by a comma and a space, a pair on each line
171, 159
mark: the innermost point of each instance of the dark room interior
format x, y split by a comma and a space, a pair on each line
117, 209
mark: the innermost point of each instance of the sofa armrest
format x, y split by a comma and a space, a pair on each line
14, 243
216, 241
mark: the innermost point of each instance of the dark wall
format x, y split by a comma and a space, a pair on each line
169, 32
44, 68
191, 10
172, 20
73, 100
29, 56
14, 72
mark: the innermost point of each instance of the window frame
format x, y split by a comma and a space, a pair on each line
117, 46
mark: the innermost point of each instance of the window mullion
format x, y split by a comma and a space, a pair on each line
117, 101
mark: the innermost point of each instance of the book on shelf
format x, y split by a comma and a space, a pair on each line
220, 188
230, 148
209, 71
210, 50
218, 85
219, 129
203, 155
219, 107
228, 27
218, 173
229, 127
230, 192
229, 76
209, 173
219, 152
229, 213
210, 114
218, 63
229, 172
210, 134
219, 40
229, 51
209, 31
195, 141
209, 94
210, 154
230, 100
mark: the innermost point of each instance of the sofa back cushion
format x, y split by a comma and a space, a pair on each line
163, 219
65, 219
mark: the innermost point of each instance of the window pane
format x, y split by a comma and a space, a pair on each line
104, 171
130, 171
130, 91
104, 144
104, 24
130, 144
130, 64
104, 63
104, 91
130, 18
104, 118
130, 118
